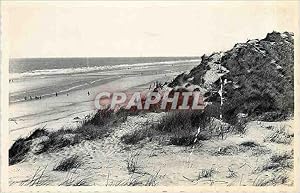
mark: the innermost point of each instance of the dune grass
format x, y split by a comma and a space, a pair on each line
68, 163
136, 136
21, 146
132, 163
271, 179
18, 151
73, 179
280, 135
39, 178
279, 161
96, 127
175, 128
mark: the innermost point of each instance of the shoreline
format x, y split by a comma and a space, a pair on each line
56, 112
132, 70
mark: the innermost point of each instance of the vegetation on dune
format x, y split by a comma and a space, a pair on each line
68, 163
272, 179
280, 135
18, 151
264, 73
276, 170
22, 146
176, 128
278, 162
42, 140
259, 78
135, 136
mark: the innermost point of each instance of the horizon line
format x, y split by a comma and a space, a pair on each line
67, 57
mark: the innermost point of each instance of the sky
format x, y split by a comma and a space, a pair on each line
112, 29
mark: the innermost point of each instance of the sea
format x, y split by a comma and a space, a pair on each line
36, 65
43, 77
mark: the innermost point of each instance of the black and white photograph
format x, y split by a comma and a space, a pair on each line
152, 96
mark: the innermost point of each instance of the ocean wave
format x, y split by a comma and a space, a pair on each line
91, 69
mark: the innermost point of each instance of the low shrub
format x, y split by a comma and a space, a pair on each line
91, 132
18, 150
134, 137
68, 164
280, 135
249, 144
177, 127
279, 161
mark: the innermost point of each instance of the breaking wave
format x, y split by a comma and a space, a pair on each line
94, 68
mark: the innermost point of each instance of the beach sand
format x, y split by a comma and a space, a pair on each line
54, 112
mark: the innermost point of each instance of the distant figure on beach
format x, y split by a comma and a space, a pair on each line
56, 94
30, 98
67, 94
88, 93
25, 98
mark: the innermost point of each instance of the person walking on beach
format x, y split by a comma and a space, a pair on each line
56, 94
88, 93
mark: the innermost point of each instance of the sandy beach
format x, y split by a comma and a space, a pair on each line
73, 101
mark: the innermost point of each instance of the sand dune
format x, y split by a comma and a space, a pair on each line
105, 161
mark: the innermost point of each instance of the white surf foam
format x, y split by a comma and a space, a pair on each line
94, 68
